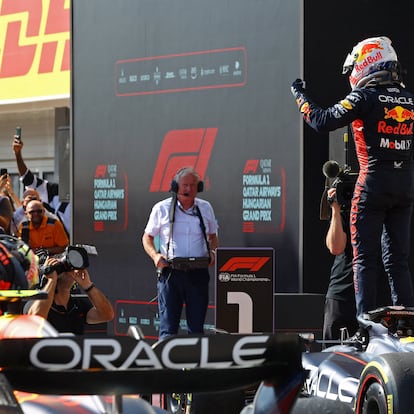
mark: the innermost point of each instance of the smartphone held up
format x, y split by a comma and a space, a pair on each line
18, 134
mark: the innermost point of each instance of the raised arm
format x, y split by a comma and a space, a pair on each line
102, 310
336, 237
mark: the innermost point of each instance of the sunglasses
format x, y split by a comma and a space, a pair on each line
35, 211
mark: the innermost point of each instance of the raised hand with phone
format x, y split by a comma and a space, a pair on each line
48, 191
17, 143
18, 133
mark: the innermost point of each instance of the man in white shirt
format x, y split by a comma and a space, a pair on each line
187, 231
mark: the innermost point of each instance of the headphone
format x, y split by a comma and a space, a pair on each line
186, 171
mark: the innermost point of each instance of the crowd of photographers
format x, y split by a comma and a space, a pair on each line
34, 240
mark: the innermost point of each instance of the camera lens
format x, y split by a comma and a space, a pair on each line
75, 258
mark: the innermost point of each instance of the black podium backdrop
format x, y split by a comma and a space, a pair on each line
159, 85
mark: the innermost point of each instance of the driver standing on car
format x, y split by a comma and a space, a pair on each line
381, 112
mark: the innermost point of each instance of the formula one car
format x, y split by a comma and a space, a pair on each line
372, 375
43, 371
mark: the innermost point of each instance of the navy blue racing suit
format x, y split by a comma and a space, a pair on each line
382, 120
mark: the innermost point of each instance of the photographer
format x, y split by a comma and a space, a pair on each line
340, 310
66, 312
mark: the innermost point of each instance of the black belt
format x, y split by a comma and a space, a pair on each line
189, 263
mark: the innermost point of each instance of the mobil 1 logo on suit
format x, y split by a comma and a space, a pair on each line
245, 289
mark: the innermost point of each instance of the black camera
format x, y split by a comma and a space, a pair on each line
343, 180
73, 258
344, 185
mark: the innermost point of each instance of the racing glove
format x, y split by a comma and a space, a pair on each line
298, 91
298, 87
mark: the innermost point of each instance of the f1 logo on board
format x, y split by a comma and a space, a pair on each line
182, 147
252, 264
251, 166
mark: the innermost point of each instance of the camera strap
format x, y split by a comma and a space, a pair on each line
203, 227
172, 220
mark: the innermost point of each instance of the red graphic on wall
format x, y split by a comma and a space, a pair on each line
250, 264
24, 44
181, 148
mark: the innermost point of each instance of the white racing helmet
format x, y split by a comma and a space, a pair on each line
372, 61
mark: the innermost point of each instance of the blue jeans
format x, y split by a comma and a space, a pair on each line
176, 288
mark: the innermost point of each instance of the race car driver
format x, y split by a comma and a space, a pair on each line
381, 111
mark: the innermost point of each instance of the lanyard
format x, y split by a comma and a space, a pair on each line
172, 220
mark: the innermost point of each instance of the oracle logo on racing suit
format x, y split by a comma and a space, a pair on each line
402, 100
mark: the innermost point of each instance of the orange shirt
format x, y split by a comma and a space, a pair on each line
49, 234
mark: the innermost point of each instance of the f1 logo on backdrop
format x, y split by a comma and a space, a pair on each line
180, 148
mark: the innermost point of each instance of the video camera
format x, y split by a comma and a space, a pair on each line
73, 258
343, 180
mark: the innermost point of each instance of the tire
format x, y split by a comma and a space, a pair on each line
375, 401
386, 385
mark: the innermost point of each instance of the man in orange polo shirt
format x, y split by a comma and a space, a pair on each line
41, 232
